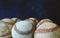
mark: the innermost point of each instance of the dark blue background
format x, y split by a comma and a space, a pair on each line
30, 8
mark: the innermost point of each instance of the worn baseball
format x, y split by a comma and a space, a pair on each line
47, 30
